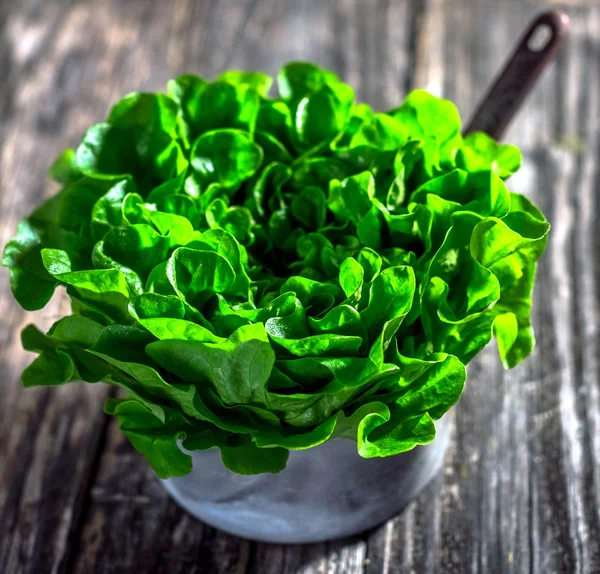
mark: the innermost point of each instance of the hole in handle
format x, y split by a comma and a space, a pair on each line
540, 38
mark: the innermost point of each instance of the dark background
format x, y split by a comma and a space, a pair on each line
520, 491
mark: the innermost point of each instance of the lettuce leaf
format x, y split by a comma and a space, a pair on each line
261, 275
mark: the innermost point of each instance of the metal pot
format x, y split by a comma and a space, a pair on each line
325, 492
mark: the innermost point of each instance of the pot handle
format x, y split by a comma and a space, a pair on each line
532, 55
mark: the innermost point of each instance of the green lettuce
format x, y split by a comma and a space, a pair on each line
261, 275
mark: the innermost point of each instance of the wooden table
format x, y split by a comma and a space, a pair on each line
520, 491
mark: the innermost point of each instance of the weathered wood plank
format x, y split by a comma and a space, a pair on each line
48, 440
132, 526
520, 489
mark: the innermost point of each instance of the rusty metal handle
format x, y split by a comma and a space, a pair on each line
518, 77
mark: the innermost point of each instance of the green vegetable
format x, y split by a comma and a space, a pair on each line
261, 275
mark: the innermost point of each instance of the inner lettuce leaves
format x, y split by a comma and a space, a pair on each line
261, 275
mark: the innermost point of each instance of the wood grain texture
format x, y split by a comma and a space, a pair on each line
520, 491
